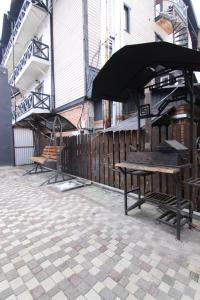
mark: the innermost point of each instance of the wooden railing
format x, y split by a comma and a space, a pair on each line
33, 100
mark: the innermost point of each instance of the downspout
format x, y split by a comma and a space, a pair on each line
52, 105
105, 103
86, 61
85, 43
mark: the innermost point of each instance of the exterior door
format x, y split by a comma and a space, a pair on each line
23, 146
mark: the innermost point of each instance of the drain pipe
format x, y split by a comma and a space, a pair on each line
52, 105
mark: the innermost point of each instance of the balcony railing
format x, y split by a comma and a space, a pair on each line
18, 23
168, 7
33, 101
36, 49
181, 9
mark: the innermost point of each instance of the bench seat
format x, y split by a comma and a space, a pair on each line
49, 153
38, 159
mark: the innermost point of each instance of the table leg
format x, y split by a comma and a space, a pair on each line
190, 215
178, 198
139, 192
125, 191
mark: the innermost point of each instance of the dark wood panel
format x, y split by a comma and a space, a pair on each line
93, 156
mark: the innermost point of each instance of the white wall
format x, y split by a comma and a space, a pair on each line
68, 51
105, 19
44, 31
141, 22
94, 32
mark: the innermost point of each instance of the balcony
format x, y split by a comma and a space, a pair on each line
34, 103
170, 13
31, 66
32, 13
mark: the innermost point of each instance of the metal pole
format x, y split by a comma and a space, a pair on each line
178, 199
192, 170
191, 116
139, 133
190, 91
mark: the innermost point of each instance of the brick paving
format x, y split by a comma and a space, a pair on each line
79, 245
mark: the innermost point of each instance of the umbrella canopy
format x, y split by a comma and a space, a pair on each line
133, 66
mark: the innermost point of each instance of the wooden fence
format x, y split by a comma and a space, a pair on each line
93, 156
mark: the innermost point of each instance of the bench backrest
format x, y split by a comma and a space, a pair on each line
52, 152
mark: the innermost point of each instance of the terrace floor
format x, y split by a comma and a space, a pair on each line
79, 245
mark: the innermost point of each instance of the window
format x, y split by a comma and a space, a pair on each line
127, 18
98, 114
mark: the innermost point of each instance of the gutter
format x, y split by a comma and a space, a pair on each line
52, 59
85, 43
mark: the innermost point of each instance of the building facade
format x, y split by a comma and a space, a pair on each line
54, 49
27, 58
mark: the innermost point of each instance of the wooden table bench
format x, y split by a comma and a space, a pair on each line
173, 205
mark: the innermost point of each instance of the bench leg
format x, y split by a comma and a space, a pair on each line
58, 177
34, 170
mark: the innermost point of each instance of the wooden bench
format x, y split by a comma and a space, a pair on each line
49, 153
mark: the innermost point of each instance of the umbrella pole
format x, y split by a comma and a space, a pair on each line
139, 124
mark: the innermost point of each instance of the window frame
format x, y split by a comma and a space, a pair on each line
127, 23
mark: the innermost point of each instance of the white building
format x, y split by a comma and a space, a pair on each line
56, 48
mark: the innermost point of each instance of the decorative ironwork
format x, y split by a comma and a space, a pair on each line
33, 100
175, 12
144, 111
36, 49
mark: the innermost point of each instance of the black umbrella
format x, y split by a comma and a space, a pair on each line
133, 66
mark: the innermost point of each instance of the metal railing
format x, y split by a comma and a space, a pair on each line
181, 9
13, 114
168, 7
17, 26
36, 49
33, 100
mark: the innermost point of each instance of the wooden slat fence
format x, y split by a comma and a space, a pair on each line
93, 156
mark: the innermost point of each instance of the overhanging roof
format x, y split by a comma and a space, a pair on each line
45, 121
133, 66
129, 124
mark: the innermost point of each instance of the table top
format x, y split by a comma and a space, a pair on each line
151, 168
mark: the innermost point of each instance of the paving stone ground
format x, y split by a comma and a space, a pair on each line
79, 245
